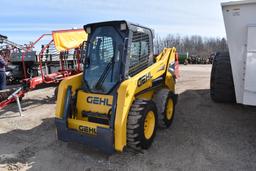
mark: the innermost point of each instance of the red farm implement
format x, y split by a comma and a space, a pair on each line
59, 57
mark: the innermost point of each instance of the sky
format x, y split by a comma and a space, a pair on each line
25, 20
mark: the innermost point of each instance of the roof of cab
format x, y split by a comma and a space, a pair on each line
116, 21
238, 3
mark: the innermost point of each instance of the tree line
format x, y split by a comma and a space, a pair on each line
194, 45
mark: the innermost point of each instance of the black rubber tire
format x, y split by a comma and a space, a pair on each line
222, 85
135, 124
161, 98
56, 90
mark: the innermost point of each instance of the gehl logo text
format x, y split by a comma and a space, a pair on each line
98, 100
142, 80
88, 130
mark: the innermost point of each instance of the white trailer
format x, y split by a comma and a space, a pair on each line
233, 77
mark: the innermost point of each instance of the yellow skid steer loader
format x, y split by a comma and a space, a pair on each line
124, 92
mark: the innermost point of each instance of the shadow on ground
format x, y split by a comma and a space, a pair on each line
204, 136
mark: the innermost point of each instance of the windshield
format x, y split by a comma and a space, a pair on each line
102, 66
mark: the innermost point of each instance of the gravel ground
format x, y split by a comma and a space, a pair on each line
204, 135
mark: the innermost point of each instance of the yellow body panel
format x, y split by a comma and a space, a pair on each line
93, 103
128, 89
74, 123
74, 81
148, 95
90, 126
170, 82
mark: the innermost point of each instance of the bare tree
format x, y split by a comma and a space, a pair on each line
194, 45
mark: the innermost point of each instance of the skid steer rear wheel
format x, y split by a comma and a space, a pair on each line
165, 107
141, 124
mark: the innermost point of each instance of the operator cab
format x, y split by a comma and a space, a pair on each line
115, 51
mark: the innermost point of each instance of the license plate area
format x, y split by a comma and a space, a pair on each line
87, 130
85, 127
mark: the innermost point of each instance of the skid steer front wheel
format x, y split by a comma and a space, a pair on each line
141, 124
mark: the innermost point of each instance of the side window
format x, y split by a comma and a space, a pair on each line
139, 52
103, 49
